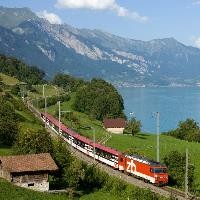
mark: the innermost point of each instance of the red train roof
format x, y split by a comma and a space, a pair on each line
108, 149
80, 137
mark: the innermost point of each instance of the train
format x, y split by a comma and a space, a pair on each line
135, 165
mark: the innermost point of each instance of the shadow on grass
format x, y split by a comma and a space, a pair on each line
138, 135
3, 146
142, 136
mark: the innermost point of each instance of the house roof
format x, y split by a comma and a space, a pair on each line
114, 123
28, 163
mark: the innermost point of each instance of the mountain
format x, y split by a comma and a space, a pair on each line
95, 53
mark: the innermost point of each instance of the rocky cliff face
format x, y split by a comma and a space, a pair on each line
94, 53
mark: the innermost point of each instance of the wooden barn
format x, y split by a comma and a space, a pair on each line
114, 125
30, 171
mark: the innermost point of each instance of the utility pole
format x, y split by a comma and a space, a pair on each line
94, 143
45, 110
186, 174
158, 134
43, 91
23, 93
59, 115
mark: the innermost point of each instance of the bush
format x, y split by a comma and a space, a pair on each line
8, 122
33, 141
187, 130
133, 126
175, 162
15, 90
67, 82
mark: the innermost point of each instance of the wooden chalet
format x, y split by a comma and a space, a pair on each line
30, 171
116, 126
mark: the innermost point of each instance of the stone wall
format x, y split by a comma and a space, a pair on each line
4, 174
38, 186
38, 181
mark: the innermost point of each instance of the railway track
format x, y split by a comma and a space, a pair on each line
175, 192
163, 191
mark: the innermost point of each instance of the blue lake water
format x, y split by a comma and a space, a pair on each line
173, 104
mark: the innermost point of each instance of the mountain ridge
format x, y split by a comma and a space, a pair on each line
95, 53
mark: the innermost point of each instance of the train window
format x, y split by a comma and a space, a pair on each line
158, 170
76, 142
56, 128
65, 135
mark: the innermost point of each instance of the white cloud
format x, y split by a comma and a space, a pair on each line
197, 42
196, 2
88, 4
51, 17
124, 12
101, 5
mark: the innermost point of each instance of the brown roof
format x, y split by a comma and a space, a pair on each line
114, 123
28, 163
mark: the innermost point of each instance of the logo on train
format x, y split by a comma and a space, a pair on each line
131, 166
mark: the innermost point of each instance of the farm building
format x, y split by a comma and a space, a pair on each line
30, 171
116, 126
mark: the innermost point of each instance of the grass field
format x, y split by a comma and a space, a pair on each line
30, 122
49, 90
11, 192
144, 143
8, 80
100, 196
5, 151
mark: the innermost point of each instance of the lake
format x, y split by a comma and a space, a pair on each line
173, 104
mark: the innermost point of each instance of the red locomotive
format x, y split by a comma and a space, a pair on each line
135, 165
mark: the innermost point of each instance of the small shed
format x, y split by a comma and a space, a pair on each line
30, 171
116, 126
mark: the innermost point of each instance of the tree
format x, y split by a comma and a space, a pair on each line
14, 67
2, 85
15, 90
67, 82
175, 161
187, 127
99, 99
8, 122
133, 126
187, 130
33, 141
74, 175
63, 159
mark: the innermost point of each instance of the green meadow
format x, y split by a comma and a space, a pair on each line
10, 192
8, 80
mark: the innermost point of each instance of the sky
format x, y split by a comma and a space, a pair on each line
136, 19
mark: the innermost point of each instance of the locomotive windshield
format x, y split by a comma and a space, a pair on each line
158, 170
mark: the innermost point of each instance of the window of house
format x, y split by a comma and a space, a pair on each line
30, 184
